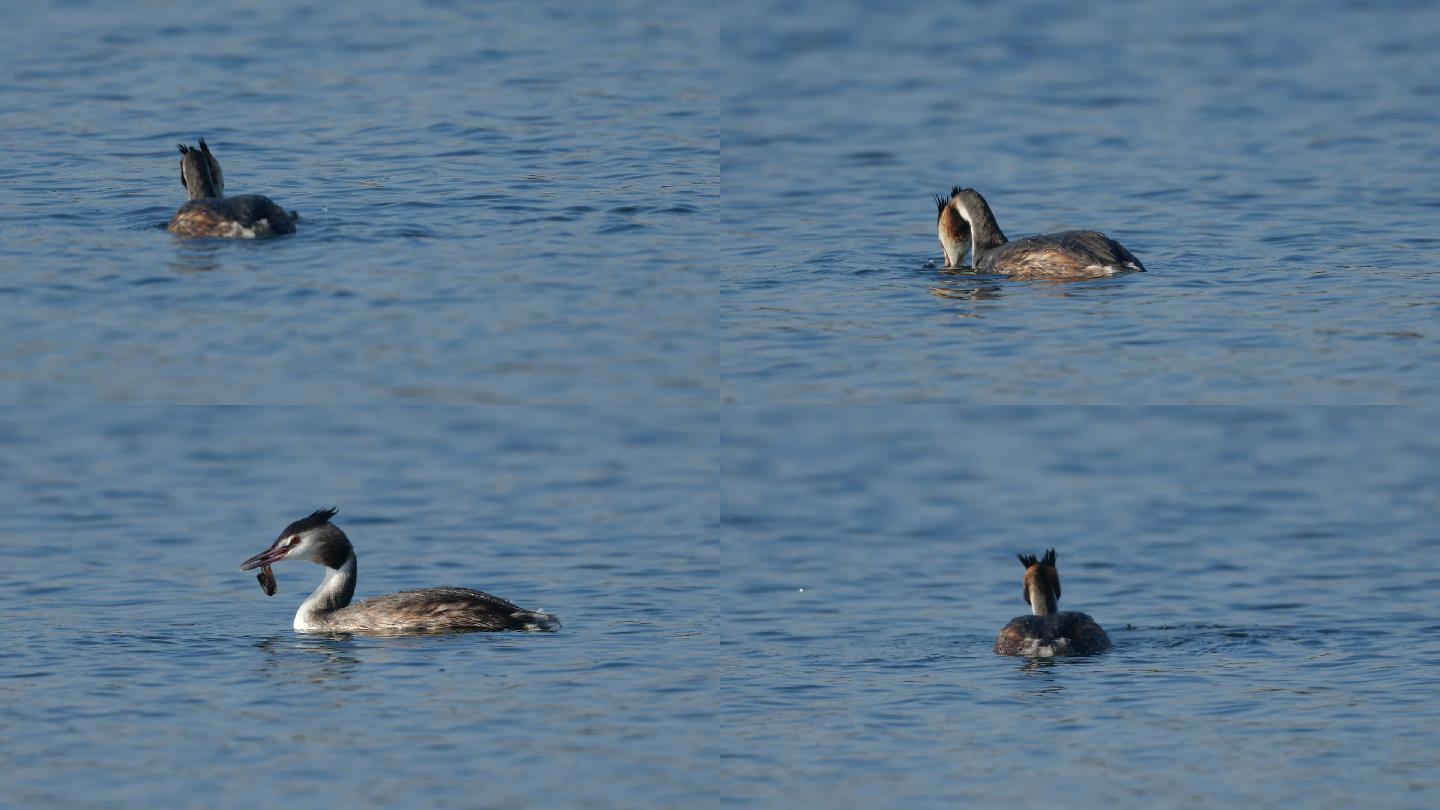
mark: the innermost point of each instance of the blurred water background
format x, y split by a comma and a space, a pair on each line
140, 667
1268, 579
500, 202
1274, 165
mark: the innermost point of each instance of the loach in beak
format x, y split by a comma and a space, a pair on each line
269, 556
267, 580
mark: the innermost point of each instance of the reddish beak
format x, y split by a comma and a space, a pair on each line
269, 556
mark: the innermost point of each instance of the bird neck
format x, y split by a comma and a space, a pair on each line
335, 592
202, 175
985, 233
1043, 601
954, 235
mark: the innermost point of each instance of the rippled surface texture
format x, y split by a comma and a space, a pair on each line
141, 667
500, 202
1274, 165
767, 463
1268, 580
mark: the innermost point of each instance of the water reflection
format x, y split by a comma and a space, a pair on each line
1038, 665
969, 292
312, 658
966, 286
197, 256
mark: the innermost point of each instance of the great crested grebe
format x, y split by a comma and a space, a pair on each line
1048, 632
210, 213
432, 610
1067, 254
954, 231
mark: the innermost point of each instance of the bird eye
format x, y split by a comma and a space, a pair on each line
295, 541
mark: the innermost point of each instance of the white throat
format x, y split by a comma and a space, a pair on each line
1040, 603
968, 247
334, 593
962, 211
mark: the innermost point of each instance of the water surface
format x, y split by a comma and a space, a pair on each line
1267, 577
141, 667
501, 203
1275, 167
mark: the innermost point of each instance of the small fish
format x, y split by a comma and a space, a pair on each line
267, 580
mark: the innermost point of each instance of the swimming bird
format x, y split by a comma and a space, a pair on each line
1048, 631
210, 213
431, 610
1063, 255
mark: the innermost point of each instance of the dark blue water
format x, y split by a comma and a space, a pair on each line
500, 203
141, 667
1274, 165
1268, 579
528, 344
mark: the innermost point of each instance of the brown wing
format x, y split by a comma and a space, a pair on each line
1017, 637
440, 608
215, 216
1072, 632
1085, 635
1068, 254
194, 220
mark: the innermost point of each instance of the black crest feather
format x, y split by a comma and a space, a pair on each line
942, 201
314, 520
1028, 560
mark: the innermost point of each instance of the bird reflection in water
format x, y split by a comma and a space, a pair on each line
315, 658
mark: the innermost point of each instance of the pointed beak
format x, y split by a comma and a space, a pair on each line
269, 556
